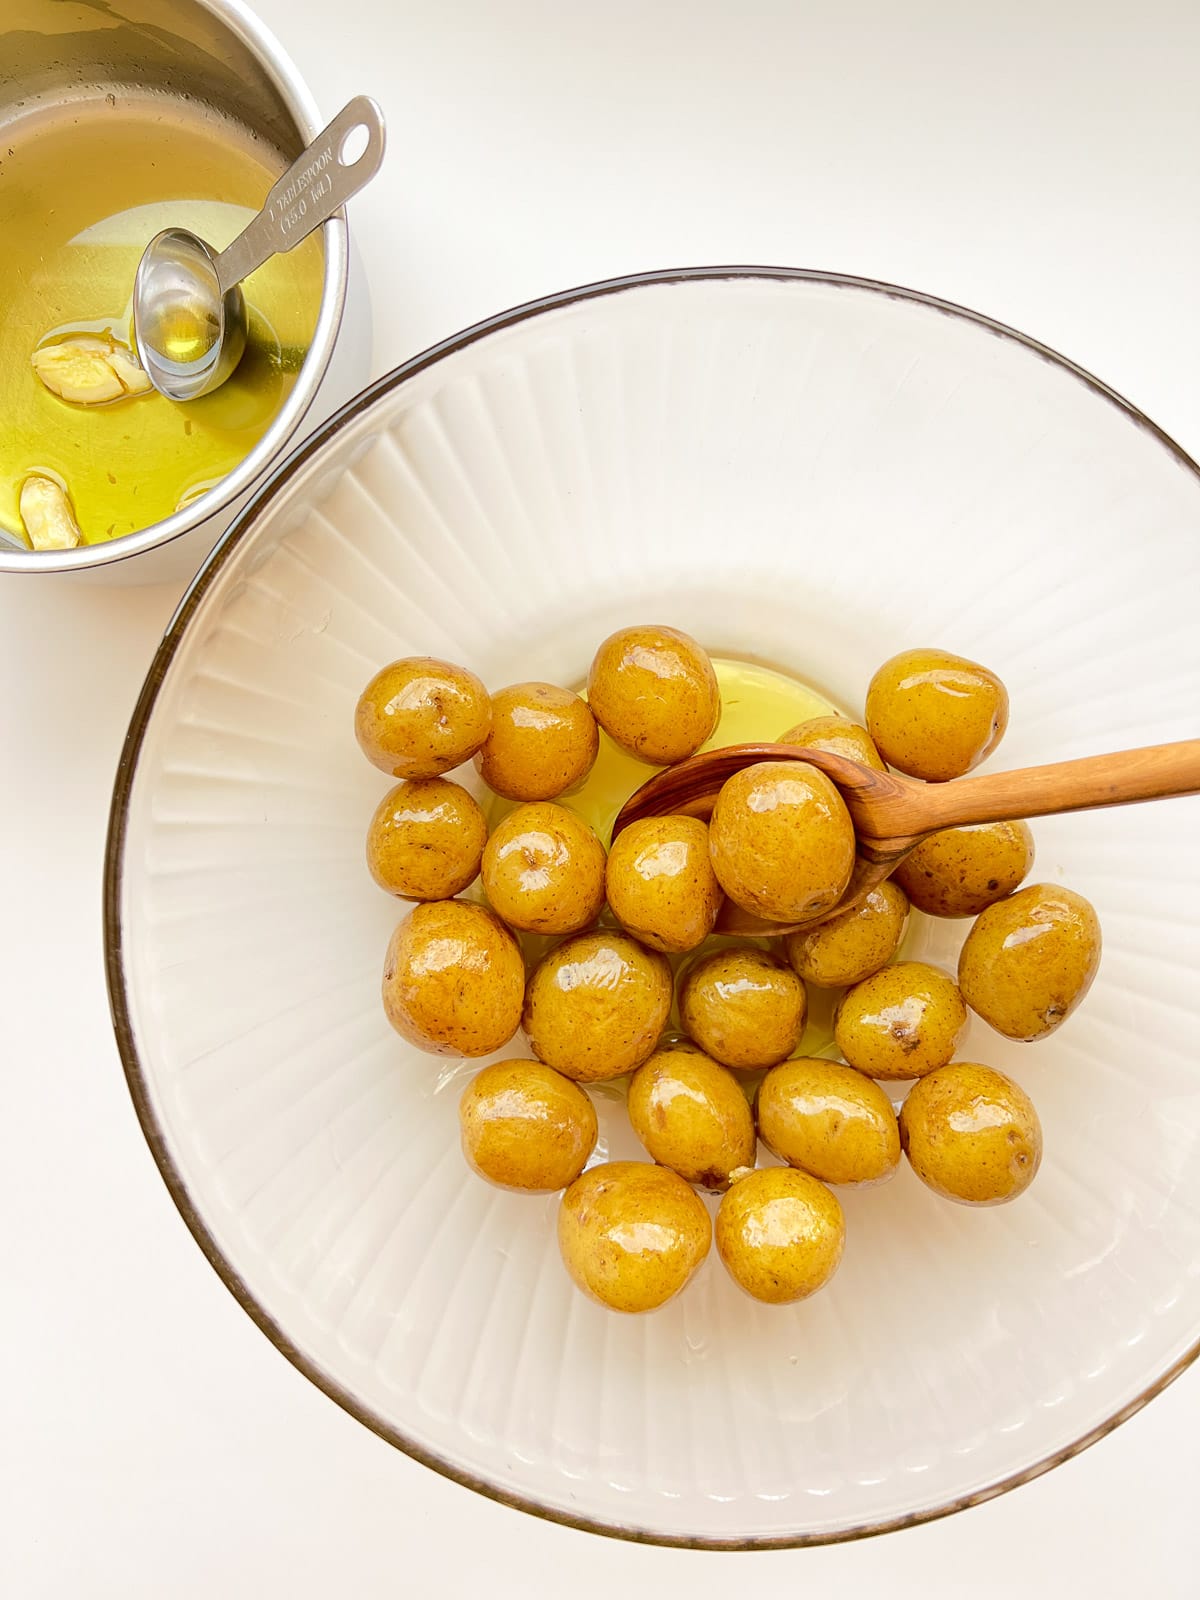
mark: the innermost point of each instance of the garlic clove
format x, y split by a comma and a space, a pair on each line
46, 512
89, 371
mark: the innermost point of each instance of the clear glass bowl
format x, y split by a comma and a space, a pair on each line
808, 471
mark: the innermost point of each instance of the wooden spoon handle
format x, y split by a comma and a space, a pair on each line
1157, 772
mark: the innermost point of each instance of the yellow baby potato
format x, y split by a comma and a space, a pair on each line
453, 979
419, 717
654, 692
1029, 960
901, 1022
828, 1120
426, 839
782, 841
632, 1234
744, 1008
543, 742
660, 883
850, 946
596, 1005
780, 1234
838, 735
971, 1134
934, 715
543, 870
525, 1126
691, 1115
959, 872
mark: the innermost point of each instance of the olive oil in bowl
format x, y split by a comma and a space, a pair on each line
757, 705
83, 189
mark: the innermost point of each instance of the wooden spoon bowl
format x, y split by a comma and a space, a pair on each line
892, 814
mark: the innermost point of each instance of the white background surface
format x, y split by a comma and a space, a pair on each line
1036, 161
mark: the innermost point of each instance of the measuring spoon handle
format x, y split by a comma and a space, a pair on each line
316, 185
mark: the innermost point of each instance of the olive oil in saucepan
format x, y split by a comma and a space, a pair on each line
83, 188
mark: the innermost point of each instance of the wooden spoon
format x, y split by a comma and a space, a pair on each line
892, 813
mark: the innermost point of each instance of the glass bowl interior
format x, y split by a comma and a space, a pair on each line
805, 471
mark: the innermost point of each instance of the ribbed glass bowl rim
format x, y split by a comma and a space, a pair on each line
135, 1072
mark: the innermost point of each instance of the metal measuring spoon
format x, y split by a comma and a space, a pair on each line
189, 317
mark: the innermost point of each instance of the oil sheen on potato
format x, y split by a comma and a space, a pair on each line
82, 191
757, 704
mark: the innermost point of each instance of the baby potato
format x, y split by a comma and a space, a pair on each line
959, 872
631, 1234
780, 1234
543, 870
543, 742
828, 1120
419, 717
838, 735
426, 839
453, 979
1029, 960
525, 1126
971, 1134
901, 1022
654, 692
743, 1007
782, 842
692, 1116
934, 715
660, 883
849, 947
596, 1005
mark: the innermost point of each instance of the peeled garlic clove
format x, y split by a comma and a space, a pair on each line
89, 371
125, 364
47, 515
78, 371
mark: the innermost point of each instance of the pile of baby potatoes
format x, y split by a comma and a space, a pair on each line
596, 1005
